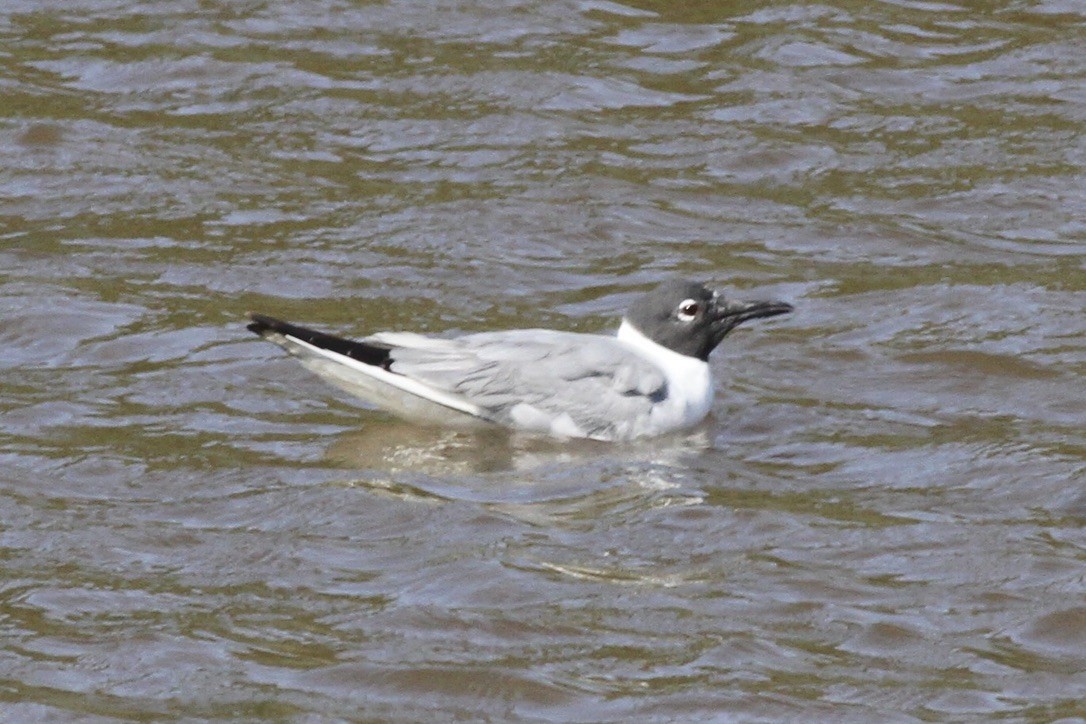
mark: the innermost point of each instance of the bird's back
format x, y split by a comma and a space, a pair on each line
565, 383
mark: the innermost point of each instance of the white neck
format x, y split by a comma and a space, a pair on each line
658, 353
690, 388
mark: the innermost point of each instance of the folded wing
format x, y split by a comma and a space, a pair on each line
558, 382
561, 383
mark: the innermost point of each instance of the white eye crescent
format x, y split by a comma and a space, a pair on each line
688, 310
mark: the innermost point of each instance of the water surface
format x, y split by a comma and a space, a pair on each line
883, 520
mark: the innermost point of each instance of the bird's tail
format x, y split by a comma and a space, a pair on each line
274, 330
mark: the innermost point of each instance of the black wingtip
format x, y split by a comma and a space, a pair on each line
364, 352
261, 323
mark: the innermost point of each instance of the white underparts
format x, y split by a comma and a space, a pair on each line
689, 384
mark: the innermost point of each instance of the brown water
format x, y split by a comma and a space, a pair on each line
884, 520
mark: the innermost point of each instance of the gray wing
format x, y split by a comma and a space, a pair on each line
557, 382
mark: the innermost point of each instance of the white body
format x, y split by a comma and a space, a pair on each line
652, 377
685, 400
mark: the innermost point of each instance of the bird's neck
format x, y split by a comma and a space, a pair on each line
667, 358
689, 383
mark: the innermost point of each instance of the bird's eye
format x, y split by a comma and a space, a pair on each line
688, 310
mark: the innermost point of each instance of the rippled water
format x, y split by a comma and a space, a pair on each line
884, 520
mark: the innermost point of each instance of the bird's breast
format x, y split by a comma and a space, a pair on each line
689, 383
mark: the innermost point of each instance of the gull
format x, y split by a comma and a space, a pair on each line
650, 378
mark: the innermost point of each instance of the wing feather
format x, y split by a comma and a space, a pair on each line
556, 381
